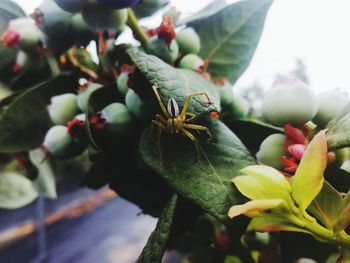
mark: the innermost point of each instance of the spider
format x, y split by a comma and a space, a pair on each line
174, 122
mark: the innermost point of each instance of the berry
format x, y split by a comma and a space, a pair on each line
159, 48
118, 120
101, 18
59, 143
289, 100
123, 78
330, 104
233, 106
72, 6
191, 61
189, 41
118, 4
51, 19
144, 110
63, 108
83, 97
271, 150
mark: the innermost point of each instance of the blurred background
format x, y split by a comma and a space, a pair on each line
309, 39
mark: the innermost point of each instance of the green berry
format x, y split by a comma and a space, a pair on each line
122, 83
59, 144
118, 119
143, 110
271, 150
191, 61
160, 49
289, 100
330, 104
83, 97
101, 18
189, 41
233, 106
63, 108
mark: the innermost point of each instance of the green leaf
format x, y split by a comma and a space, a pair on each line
343, 217
252, 133
207, 182
15, 190
338, 134
177, 83
327, 205
8, 56
155, 247
23, 116
45, 184
229, 37
148, 7
308, 179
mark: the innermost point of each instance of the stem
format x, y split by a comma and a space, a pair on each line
136, 29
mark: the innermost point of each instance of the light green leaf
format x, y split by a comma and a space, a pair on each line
15, 190
207, 182
23, 116
308, 179
177, 83
229, 37
155, 247
327, 205
45, 184
338, 133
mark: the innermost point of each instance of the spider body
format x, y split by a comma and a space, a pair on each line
175, 122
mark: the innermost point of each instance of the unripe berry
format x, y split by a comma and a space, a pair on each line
271, 150
233, 106
188, 40
159, 48
330, 104
143, 110
191, 61
63, 108
58, 143
289, 101
51, 19
83, 97
118, 119
118, 4
148, 7
101, 18
122, 83
72, 6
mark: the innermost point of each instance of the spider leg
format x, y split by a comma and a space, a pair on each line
199, 128
194, 140
160, 101
161, 119
187, 102
191, 115
160, 127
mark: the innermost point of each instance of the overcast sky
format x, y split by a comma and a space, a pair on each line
317, 31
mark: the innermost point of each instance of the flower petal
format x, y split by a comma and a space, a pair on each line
254, 205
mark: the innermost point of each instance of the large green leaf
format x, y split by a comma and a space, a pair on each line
15, 190
207, 182
155, 247
327, 205
177, 83
338, 134
23, 116
229, 37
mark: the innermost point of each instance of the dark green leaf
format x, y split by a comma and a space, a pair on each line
338, 135
177, 83
327, 205
207, 182
252, 133
8, 56
23, 116
229, 37
155, 247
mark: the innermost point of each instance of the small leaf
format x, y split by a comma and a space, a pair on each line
308, 179
338, 133
177, 83
155, 247
207, 182
23, 116
326, 206
15, 190
269, 223
253, 206
229, 37
45, 184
